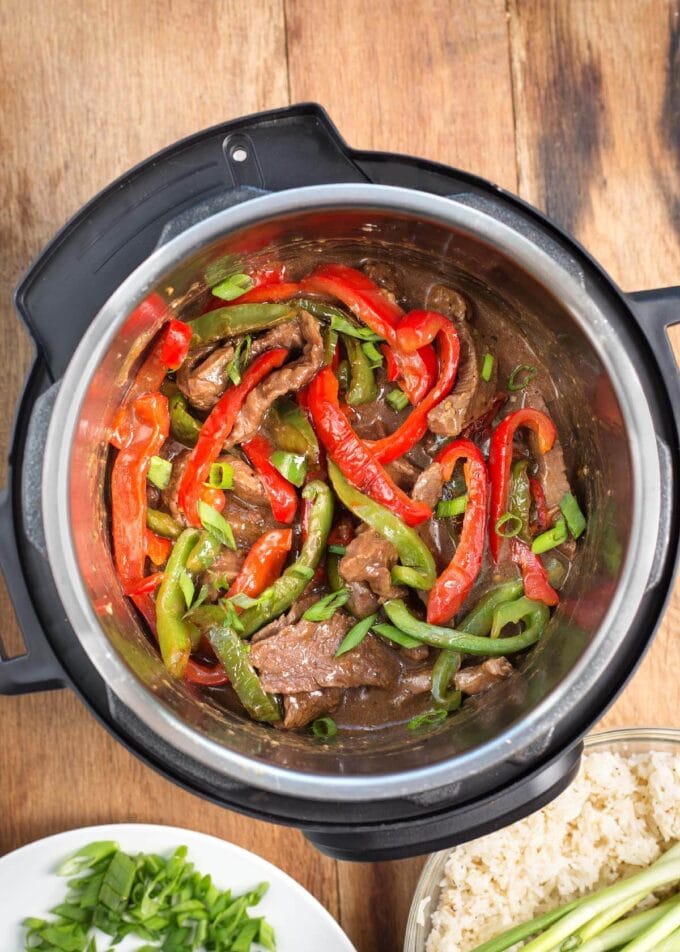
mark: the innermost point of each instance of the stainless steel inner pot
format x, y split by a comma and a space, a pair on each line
600, 406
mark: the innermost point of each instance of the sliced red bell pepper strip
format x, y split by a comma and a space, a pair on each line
269, 292
146, 428
168, 353
142, 586
365, 299
540, 505
263, 564
416, 329
500, 461
217, 428
261, 568
429, 362
536, 583
282, 496
351, 454
455, 583
157, 548
214, 497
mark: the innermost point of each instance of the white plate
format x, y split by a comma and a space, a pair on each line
29, 886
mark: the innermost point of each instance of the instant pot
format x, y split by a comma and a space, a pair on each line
283, 186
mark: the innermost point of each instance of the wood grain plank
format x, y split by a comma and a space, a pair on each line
87, 91
431, 78
597, 104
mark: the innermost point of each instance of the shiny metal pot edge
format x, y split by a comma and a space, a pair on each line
635, 573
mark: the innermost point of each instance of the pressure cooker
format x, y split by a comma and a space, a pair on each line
280, 186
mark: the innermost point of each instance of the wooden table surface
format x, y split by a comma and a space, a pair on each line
574, 105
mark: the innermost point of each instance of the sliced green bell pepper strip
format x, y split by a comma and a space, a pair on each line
234, 655
237, 320
480, 619
457, 640
203, 553
519, 501
477, 622
162, 524
535, 615
417, 567
183, 426
291, 430
444, 669
289, 587
362, 386
175, 633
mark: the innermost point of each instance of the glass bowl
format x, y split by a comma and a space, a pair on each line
426, 897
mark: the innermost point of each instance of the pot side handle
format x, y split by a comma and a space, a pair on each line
456, 824
37, 669
656, 311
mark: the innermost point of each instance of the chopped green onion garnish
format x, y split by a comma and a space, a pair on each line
487, 367
550, 539
163, 901
160, 471
375, 358
355, 635
302, 571
327, 606
324, 727
397, 399
87, 857
427, 719
187, 587
215, 523
231, 618
396, 635
508, 525
452, 507
233, 287
337, 549
238, 361
343, 325
221, 476
241, 600
576, 521
521, 376
291, 466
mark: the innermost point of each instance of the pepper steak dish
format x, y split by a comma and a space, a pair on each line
336, 503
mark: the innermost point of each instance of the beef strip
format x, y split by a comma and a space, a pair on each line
203, 379
362, 601
551, 468
403, 472
435, 532
481, 677
248, 522
369, 558
447, 301
222, 572
301, 658
301, 709
289, 379
284, 621
247, 484
169, 494
471, 394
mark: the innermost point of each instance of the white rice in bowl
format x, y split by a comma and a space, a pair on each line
618, 816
